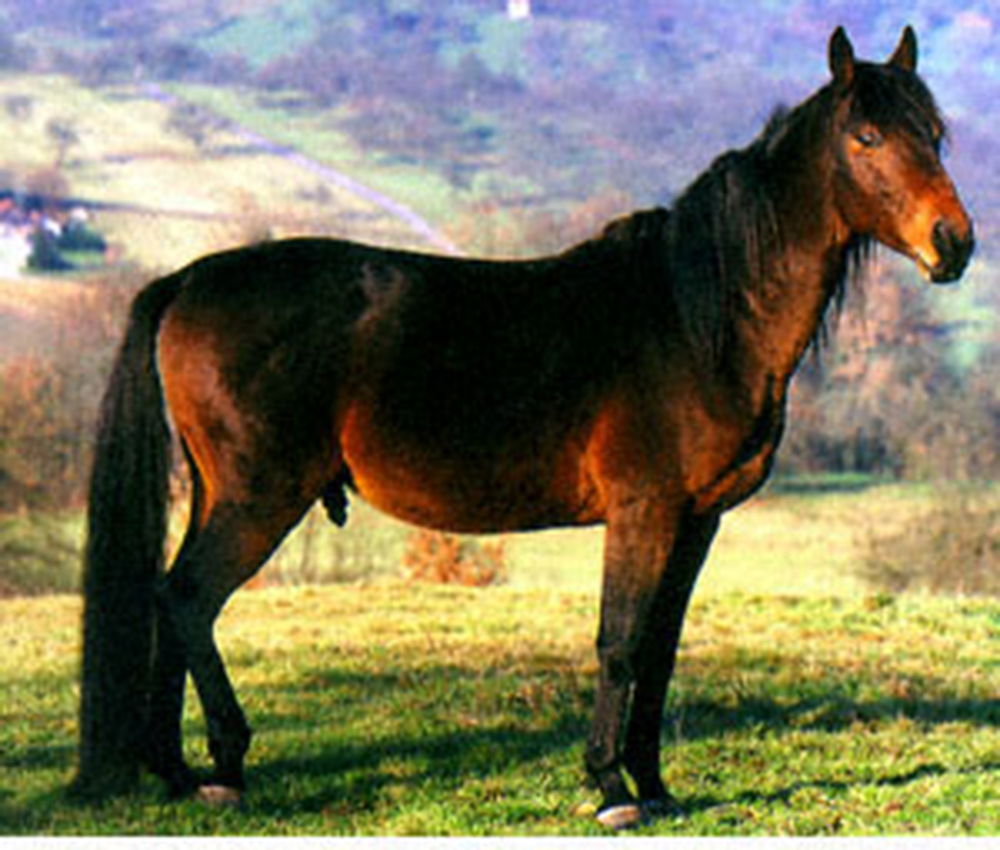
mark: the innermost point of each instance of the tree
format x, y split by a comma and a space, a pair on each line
62, 133
884, 397
192, 123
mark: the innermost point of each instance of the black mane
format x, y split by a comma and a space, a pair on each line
721, 234
724, 231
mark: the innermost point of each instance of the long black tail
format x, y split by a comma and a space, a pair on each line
127, 521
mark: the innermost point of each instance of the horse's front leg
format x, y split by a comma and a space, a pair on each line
657, 655
640, 536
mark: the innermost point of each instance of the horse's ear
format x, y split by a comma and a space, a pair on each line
905, 56
841, 58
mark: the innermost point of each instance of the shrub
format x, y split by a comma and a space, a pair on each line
39, 554
952, 548
48, 403
318, 552
446, 559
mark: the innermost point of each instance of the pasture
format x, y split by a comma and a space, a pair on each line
803, 705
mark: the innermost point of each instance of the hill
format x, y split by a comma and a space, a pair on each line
200, 125
164, 193
457, 84
502, 112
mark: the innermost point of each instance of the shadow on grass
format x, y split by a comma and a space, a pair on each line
482, 726
785, 796
694, 719
358, 774
444, 725
50, 756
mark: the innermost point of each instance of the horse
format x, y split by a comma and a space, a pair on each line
637, 380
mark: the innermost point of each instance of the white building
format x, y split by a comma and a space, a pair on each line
518, 10
15, 249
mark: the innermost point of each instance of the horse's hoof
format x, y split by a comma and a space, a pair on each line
220, 796
182, 783
89, 790
625, 816
661, 807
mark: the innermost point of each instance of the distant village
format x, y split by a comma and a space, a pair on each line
41, 235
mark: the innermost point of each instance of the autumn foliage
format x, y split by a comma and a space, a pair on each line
49, 397
446, 559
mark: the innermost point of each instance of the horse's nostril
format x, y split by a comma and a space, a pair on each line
949, 242
944, 239
954, 250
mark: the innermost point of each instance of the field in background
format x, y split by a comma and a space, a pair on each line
781, 543
172, 196
792, 540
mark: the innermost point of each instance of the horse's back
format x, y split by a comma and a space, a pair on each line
451, 392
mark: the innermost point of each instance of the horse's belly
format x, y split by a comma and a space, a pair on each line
483, 505
464, 490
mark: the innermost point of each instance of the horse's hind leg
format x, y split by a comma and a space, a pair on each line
164, 755
234, 542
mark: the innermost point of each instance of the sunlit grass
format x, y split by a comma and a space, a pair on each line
395, 709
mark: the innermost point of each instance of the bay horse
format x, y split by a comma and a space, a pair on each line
638, 380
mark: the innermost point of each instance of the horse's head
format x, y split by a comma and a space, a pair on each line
890, 184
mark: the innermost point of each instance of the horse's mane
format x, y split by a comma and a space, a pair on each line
722, 232
717, 242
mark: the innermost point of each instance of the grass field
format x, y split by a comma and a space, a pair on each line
802, 704
790, 545
184, 200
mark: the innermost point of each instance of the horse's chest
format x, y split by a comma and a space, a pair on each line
743, 463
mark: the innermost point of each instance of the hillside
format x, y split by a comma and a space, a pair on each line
163, 196
499, 112
193, 126
505, 109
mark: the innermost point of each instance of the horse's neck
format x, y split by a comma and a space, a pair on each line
782, 314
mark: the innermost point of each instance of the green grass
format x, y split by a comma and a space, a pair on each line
268, 35
315, 133
391, 709
801, 543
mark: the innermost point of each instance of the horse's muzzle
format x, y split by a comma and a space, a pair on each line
954, 251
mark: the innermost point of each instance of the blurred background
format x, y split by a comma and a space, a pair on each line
136, 135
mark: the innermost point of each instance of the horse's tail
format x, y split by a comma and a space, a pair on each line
127, 522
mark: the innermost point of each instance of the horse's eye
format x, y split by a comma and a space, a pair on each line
868, 138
